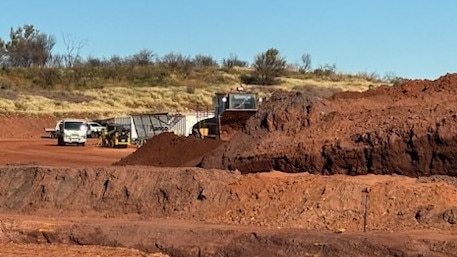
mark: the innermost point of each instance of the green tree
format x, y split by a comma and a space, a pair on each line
268, 67
27, 47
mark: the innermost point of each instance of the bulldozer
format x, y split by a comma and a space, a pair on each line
115, 136
231, 111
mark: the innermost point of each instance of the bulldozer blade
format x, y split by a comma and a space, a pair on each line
229, 123
235, 119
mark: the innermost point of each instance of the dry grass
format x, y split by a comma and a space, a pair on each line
353, 84
121, 100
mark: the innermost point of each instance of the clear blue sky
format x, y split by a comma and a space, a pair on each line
413, 39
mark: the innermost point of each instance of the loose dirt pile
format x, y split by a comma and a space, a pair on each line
170, 150
409, 129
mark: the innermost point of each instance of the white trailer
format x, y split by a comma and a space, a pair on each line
149, 125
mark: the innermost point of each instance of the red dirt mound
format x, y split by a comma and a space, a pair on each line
408, 129
170, 150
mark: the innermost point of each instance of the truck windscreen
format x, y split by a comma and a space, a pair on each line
242, 101
73, 125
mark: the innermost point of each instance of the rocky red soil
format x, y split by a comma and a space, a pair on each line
72, 199
199, 212
408, 129
216, 197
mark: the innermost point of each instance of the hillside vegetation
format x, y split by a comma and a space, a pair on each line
33, 80
106, 97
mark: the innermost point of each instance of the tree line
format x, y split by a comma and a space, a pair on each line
27, 47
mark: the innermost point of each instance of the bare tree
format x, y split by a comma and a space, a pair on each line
56, 61
233, 61
72, 48
177, 62
142, 58
116, 60
201, 60
94, 62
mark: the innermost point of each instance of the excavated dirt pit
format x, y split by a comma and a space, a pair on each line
398, 140
200, 212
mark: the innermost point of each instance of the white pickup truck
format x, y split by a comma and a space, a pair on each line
94, 129
71, 131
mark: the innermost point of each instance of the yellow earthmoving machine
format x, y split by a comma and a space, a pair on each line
231, 112
115, 136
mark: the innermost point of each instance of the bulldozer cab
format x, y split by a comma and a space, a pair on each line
231, 111
235, 102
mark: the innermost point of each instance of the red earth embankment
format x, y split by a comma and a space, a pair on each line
408, 129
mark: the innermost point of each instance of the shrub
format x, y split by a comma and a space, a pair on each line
268, 66
248, 79
46, 78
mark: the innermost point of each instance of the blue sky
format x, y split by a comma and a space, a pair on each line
413, 39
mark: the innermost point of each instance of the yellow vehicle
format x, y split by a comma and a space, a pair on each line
115, 136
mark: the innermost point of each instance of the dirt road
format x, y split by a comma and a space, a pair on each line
44, 151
